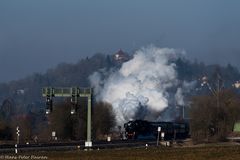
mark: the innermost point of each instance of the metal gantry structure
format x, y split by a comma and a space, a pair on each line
75, 93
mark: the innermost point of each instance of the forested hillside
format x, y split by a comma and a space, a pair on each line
26, 93
21, 101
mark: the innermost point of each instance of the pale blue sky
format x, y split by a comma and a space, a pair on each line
38, 34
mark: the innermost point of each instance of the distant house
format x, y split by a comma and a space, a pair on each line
121, 56
20, 92
237, 84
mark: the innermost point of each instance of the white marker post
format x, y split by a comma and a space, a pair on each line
109, 139
159, 130
18, 134
16, 151
53, 135
162, 135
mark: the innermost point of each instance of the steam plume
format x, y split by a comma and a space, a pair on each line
139, 89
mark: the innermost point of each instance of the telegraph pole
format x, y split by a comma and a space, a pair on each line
215, 90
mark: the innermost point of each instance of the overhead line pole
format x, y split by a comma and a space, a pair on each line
73, 92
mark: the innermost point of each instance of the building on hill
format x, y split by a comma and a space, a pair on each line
121, 56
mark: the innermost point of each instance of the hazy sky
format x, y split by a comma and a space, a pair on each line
38, 34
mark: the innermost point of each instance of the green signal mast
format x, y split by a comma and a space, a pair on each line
74, 93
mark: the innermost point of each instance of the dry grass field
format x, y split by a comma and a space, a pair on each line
186, 153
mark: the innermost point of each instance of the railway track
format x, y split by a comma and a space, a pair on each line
8, 148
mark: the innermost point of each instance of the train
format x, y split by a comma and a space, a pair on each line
142, 129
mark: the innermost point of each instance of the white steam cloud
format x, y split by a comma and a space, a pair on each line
181, 91
139, 89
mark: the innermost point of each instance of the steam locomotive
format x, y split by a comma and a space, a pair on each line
141, 129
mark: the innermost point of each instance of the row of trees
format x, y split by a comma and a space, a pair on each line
66, 126
73, 127
213, 116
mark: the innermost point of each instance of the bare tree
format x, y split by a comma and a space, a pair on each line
103, 119
212, 120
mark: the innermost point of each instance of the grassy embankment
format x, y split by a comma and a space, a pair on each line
194, 153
